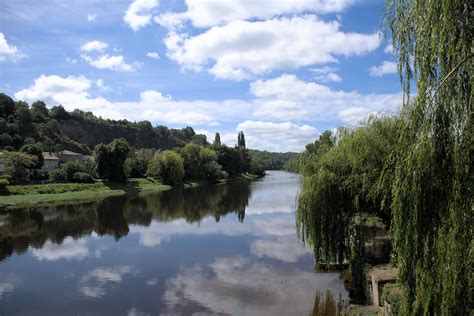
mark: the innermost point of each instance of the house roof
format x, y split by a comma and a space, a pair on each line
69, 153
49, 156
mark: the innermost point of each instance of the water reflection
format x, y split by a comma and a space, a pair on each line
48, 228
226, 249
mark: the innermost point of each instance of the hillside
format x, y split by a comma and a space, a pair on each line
56, 129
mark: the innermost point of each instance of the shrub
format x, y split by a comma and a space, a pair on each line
70, 168
3, 184
58, 175
82, 177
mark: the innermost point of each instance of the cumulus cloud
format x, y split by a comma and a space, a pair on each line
153, 55
105, 61
138, 14
241, 49
9, 51
285, 136
111, 62
207, 13
326, 74
302, 100
387, 67
388, 49
94, 46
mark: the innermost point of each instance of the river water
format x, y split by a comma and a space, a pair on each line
225, 249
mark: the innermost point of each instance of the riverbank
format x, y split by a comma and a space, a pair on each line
73, 193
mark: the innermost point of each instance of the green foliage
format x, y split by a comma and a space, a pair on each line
82, 177
34, 150
393, 296
58, 175
214, 172
341, 179
135, 168
3, 184
217, 140
432, 169
271, 160
18, 164
110, 160
196, 158
168, 166
71, 168
241, 140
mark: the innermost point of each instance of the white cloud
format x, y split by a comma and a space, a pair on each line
207, 13
111, 62
9, 51
69, 249
326, 74
91, 17
138, 14
101, 85
387, 67
388, 49
94, 46
241, 49
6, 287
71, 60
153, 55
281, 137
300, 100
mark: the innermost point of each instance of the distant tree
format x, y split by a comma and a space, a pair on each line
168, 166
59, 113
199, 139
5, 140
7, 105
18, 164
217, 140
110, 160
35, 150
241, 140
135, 168
39, 111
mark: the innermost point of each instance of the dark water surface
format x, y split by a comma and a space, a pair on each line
227, 249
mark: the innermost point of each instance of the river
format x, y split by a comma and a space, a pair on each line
225, 249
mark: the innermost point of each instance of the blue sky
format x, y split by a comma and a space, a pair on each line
281, 71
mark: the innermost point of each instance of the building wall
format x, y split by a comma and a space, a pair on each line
50, 165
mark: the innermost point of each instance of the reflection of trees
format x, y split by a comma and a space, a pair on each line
22, 228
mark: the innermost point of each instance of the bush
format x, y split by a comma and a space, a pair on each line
3, 184
70, 168
82, 177
214, 172
57, 175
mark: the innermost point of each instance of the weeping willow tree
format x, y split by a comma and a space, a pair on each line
340, 180
432, 189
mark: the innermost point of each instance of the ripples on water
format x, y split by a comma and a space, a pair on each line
228, 249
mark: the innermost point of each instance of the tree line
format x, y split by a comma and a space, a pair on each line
115, 162
413, 170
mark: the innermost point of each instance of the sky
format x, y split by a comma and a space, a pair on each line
280, 71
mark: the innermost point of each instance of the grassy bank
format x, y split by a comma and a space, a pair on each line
57, 193
70, 193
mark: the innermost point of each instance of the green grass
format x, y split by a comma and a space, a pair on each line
55, 193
